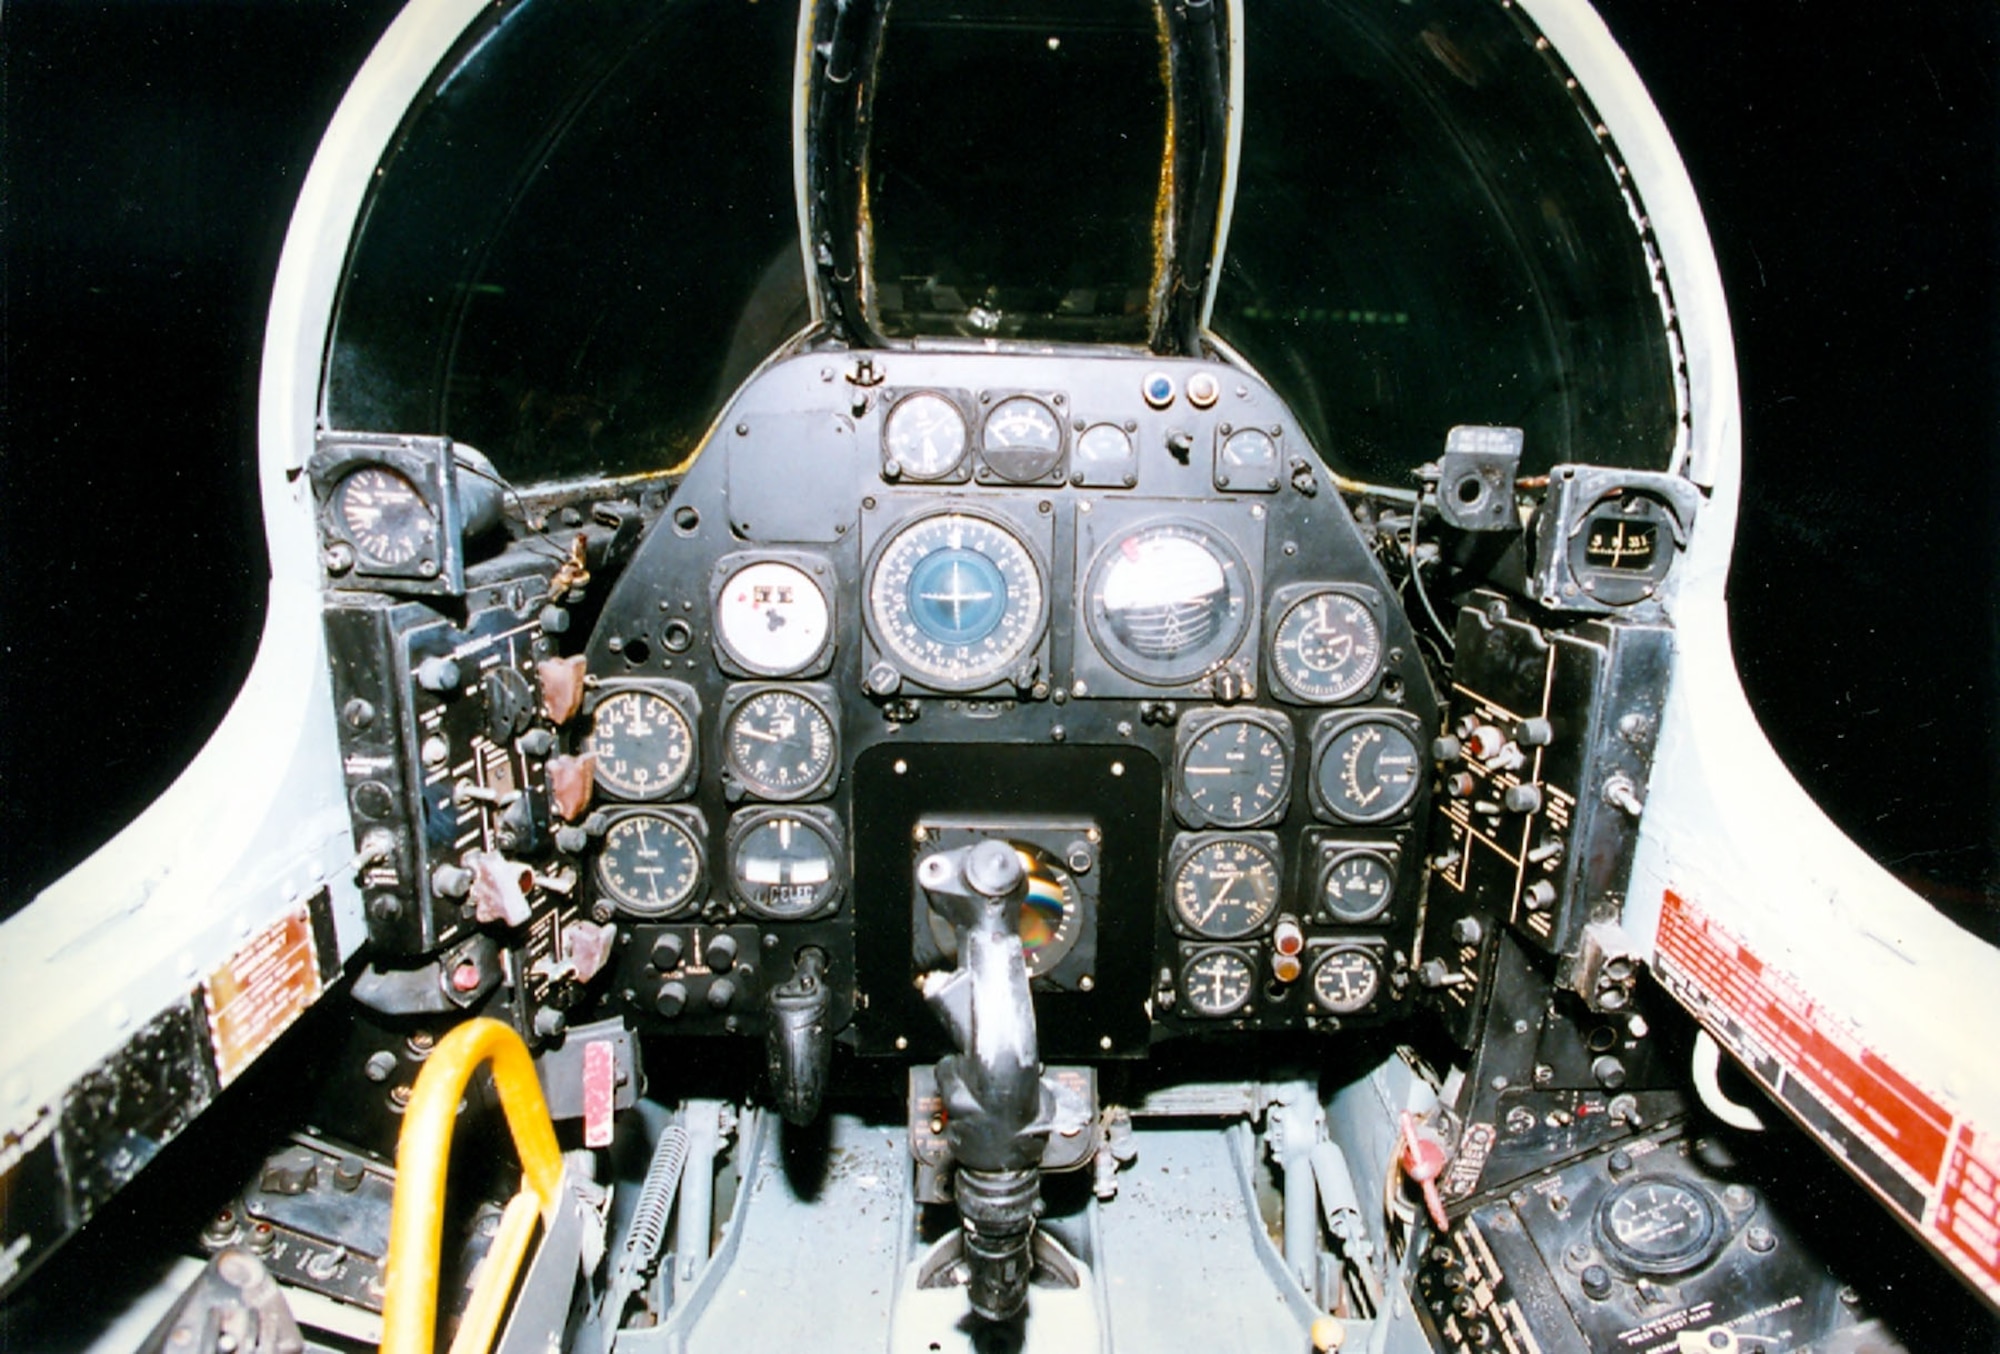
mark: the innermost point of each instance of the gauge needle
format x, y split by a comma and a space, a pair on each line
757, 733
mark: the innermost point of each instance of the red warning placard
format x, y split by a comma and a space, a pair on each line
1930, 1165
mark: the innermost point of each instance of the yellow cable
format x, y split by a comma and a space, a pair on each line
423, 1152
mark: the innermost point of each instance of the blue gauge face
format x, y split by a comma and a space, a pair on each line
956, 595
956, 601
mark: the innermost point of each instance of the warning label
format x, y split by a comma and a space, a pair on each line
253, 997
1931, 1166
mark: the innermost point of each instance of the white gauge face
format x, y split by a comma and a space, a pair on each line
772, 619
1102, 445
956, 601
642, 743
1168, 601
1328, 646
925, 436
649, 864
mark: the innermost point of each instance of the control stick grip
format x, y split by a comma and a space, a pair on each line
798, 1041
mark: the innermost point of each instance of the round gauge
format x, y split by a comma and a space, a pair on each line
1226, 888
772, 619
1367, 772
1346, 979
1248, 459
780, 744
1236, 772
1051, 914
649, 864
642, 743
385, 518
1217, 982
1168, 601
956, 600
1102, 447
924, 436
1657, 1225
1328, 646
1022, 441
1356, 886
783, 864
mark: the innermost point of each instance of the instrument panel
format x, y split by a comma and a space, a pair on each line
921, 597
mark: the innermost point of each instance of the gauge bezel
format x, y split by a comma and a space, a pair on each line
1690, 1256
1332, 854
1184, 672
736, 782
431, 466
1194, 956
997, 674
680, 817
823, 822
1123, 474
960, 470
684, 700
1289, 599
1330, 727
815, 568
1190, 730
1321, 955
1051, 403
1227, 481
1186, 846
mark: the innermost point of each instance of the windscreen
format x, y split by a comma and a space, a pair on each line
1427, 231
582, 240
1014, 182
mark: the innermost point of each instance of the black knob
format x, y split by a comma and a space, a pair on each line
721, 993
668, 951
721, 953
672, 999
1596, 1282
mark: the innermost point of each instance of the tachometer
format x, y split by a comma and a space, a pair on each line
1167, 601
1226, 888
1365, 770
1327, 646
780, 744
923, 438
1233, 770
956, 599
642, 741
650, 863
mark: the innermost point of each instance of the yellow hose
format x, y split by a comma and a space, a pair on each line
423, 1152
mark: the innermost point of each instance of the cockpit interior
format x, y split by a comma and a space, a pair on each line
995, 675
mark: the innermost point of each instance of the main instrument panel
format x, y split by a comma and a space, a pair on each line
1107, 609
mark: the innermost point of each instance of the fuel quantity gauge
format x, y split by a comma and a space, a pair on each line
1226, 887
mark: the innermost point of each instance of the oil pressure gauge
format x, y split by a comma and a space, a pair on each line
1356, 886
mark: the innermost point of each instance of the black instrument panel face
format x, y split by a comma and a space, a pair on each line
1050, 600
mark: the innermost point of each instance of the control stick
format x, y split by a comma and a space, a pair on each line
997, 1108
798, 1047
